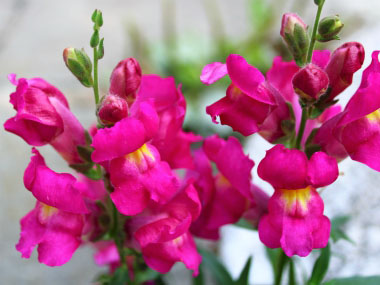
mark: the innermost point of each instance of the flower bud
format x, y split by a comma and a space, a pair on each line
78, 62
126, 79
344, 62
294, 32
310, 82
329, 28
111, 109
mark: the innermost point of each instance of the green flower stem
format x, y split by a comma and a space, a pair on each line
95, 80
314, 34
302, 128
282, 260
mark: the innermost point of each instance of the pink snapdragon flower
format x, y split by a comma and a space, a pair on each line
162, 232
170, 140
295, 220
361, 117
227, 195
43, 117
248, 101
57, 221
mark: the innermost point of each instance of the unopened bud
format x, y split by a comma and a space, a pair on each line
329, 28
294, 32
78, 62
310, 82
126, 79
344, 62
111, 109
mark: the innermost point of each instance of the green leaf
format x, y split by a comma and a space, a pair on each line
243, 278
243, 223
199, 280
355, 280
292, 273
273, 255
337, 233
218, 271
146, 275
320, 266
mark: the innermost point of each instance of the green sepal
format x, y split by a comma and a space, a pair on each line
94, 174
85, 152
79, 72
82, 167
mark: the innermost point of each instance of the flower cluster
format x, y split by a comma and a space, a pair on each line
142, 189
162, 191
294, 106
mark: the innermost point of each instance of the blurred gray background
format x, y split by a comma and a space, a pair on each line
33, 34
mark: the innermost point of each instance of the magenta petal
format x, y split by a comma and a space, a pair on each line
284, 168
62, 238
124, 137
246, 77
322, 169
269, 234
321, 233
364, 146
163, 91
240, 111
130, 198
231, 162
146, 114
296, 237
213, 72
162, 256
57, 234
321, 58
54, 189
31, 234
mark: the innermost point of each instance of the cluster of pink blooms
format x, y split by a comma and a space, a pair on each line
171, 191
168, 191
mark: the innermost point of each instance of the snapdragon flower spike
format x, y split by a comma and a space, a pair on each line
170, 140
57, 234
360, 117
161, 232
43, 117
295, 220
125, 79
248, 101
